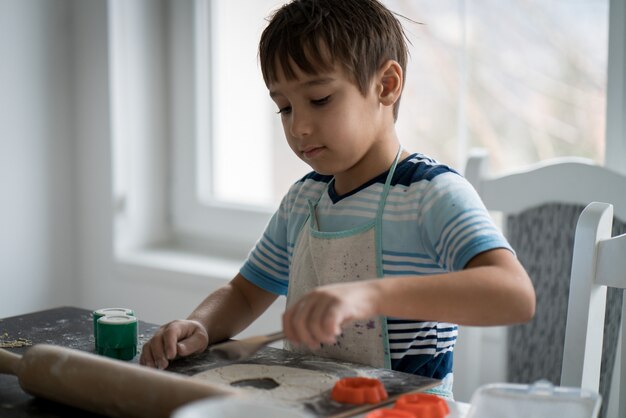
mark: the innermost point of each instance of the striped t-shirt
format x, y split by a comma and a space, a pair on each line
433, 222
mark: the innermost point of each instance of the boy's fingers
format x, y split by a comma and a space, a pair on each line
182, 337
146, 358
159, 351
288, 326
305, 322
297, 323
322, 314
172, 334
292, 325
152, 352
331, 323
195, 343
162, 346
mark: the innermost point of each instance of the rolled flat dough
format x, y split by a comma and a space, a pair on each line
293, 384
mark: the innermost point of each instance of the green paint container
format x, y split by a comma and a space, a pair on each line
117, 336
99, 313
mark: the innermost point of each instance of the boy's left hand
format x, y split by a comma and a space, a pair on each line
319, 315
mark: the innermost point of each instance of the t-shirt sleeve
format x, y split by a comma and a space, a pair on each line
455, 223
267, 265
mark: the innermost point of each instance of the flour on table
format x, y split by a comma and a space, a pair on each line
293, 384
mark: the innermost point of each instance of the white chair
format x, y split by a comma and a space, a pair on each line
599, 262
567, 180
541, 205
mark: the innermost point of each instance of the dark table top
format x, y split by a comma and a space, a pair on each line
66, 326
73, 328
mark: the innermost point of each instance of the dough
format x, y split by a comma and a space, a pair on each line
294, 384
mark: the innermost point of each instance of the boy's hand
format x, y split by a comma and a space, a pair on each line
176, 338
319, 315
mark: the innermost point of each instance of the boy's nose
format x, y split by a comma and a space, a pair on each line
300, 124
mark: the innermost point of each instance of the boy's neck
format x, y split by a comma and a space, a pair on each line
377, 161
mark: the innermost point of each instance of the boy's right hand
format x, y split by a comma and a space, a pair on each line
177, 338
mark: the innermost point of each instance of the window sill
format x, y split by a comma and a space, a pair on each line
180, 261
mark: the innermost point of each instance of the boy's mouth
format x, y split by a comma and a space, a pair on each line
312, 152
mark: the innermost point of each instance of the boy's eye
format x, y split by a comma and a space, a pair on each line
322, 101
284, 110
316, 102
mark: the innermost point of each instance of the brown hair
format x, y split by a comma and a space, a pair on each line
360, 35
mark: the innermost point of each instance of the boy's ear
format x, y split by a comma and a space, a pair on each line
390, 82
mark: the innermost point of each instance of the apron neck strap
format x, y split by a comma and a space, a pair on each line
392, 170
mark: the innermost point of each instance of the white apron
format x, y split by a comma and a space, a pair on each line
321, 258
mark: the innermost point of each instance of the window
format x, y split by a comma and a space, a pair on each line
526, 80
193, 122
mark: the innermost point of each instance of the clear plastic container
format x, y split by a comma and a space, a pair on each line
539, 400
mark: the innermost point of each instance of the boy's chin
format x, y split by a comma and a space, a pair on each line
318, 168
321, 170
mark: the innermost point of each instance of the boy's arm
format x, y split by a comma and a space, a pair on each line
493, 289
221, 315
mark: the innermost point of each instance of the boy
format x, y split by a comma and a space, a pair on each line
380, 252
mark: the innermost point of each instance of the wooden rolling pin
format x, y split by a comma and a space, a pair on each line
102, 385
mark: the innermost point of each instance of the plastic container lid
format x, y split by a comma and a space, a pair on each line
359, 390
390, 413
98, 313
423, 405
539, 400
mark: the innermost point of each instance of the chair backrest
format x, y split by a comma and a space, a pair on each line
576, 181
541, 205
599, 263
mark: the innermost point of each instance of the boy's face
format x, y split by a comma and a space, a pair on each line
328, 122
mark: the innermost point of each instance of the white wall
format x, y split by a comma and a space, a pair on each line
36, 156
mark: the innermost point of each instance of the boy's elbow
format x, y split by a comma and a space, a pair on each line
526, 302
527, 312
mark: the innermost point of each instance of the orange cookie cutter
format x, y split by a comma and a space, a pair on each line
423, 405
358, 391
390, 413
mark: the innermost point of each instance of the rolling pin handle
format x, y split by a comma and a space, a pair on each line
9, 362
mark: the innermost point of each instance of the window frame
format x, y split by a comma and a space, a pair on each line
157, 207
193, 210
615, 135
